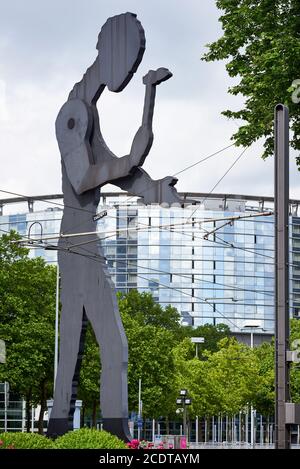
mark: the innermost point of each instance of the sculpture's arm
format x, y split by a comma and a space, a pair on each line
143, 139
107, 166
74, 126
160, 191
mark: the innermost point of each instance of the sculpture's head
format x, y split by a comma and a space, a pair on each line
121, 45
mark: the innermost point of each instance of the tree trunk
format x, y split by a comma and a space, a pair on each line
43, 408
200, 430
94, 415
28, 409
167, 426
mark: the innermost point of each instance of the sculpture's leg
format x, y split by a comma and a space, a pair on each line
103, 313
72, 333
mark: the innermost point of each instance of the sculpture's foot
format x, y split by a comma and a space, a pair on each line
118, 427
57, 427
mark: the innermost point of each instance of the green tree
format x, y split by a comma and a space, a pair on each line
295, 367
27, 316
264, 398
143, 308
226, 382
151, 360
211, 334
89, 384
151, 332
261, 39
192, 374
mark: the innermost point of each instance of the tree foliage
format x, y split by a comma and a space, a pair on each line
27, 316
211, 335
261, 39
151, 360
89, 383
143, 308
225, 382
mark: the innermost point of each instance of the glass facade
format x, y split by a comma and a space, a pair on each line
212, 260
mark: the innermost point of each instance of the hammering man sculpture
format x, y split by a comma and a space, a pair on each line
87, 292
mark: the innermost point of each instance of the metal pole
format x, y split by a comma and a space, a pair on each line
233, 429
184, 418
23, 415
246, 427
139, 410
56, 327
226, 429
251, 409
32, 419
5, 406
197, 429
281, 208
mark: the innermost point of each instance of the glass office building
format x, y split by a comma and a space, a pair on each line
213, 259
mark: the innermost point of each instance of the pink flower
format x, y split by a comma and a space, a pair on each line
1, 442
134, 444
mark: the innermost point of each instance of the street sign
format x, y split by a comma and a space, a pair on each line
197, 340
2, 351
100, 215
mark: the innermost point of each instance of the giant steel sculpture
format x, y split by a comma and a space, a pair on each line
87, 292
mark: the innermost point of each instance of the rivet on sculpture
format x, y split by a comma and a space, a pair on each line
87, 292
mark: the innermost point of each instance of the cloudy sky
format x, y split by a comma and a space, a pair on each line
45, 47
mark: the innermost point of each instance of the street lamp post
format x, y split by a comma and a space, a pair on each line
140, 422
184, 401
252, 325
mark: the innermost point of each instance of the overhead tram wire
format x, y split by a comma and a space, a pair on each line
169, 273
186, 234
228, 287
188, 276
119, 260
230, 244
166, 227
221, 179
131, 197
187, 168
95, 257
99, 259
146, 227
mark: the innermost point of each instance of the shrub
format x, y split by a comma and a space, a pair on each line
21, 440
88, 438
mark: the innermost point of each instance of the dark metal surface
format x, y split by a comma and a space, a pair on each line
87, 292
282, 430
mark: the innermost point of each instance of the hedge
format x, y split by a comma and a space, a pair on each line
21, 440
77, 439
88, 438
